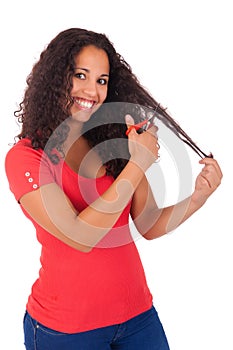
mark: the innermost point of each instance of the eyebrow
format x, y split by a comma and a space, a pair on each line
88, 71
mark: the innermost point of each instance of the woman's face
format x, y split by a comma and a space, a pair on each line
90, 82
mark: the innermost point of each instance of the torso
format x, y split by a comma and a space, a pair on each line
76, 291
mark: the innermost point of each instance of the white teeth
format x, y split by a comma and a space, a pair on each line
84, 104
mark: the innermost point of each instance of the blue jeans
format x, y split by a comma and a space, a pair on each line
143, 332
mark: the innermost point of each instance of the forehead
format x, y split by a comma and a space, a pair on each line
92, 56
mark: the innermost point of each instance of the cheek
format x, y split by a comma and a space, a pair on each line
74, 85
103, 94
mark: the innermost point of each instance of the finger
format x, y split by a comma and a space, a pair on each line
153, 130
210, 174
204, 181
129, 120
130, 125
211, 171
214, 163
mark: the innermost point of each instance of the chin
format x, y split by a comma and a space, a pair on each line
82, 115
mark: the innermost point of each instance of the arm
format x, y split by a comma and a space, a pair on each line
52, 210
153, 222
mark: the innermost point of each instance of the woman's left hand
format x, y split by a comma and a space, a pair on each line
207, 181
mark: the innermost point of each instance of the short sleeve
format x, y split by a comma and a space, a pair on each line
27, 169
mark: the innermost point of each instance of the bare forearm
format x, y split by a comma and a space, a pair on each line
89, 226
109, 206
153, 222
167, 219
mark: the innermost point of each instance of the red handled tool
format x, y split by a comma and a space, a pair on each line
142, 126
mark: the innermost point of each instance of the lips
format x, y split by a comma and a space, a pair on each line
83, 103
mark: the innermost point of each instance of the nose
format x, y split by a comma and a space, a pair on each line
90, 88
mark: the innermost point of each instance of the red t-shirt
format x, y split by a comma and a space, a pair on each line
78, 291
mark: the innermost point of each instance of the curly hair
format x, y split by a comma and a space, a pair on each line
47, 100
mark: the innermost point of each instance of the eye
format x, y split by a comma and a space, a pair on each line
102, 81
80, 76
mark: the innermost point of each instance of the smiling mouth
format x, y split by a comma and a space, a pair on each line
84, 104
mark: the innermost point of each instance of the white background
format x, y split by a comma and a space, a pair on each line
182, 52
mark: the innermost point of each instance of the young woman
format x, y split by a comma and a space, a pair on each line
78, 177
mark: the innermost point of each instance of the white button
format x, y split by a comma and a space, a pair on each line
27, 173
30, 179
35, 186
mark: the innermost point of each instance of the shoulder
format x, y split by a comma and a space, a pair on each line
26, 168
21, 148
22, 157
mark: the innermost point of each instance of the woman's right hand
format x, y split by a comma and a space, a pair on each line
144, 147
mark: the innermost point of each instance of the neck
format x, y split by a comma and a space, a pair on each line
74, 134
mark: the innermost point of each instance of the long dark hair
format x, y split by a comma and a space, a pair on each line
47, 100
